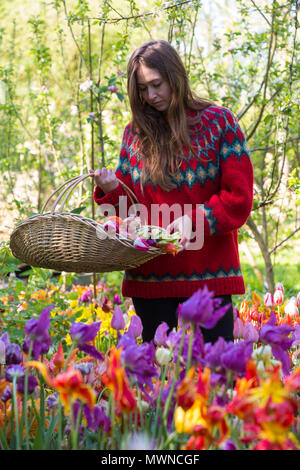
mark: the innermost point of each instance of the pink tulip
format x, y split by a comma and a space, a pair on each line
298, 300
269, 300
111, 227
238, 330
278, 297
141, 244
250, 332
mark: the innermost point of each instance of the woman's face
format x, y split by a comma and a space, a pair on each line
153, 88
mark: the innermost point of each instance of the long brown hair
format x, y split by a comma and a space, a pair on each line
160, 138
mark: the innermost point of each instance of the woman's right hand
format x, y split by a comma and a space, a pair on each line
105, 178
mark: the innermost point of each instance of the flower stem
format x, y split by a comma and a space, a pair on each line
158, 406
16, 413
188, 364
176, 376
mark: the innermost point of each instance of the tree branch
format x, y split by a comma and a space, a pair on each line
283, 241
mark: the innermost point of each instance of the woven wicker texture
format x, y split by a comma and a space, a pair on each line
70, 242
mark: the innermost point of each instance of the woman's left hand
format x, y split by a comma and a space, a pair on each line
183, 225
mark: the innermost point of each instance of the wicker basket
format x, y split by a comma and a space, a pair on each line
65, 241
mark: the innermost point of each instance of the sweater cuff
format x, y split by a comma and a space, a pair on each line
109, 198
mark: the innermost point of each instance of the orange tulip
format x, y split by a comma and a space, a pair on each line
116, 380
69, 384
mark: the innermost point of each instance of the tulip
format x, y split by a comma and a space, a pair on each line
117, 321
279, 286
298, 300
291, 307
202, 309
163, 356
160, 336
269, 300
141, 244
2, 352
117, 299
135, 328
278, 297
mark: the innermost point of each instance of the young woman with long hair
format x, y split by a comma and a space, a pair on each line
180, 149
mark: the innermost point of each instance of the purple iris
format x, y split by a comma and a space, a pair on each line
36, 330
277, 337
82, 333
202, 309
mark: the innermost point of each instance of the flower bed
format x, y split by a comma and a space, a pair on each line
75, 374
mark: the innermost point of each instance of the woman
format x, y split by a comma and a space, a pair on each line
185, 151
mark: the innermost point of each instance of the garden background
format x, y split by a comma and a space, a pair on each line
241, 54
63, 108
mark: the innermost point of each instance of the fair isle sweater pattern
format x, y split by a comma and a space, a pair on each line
221, 180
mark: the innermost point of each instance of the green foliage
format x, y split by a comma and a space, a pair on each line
242, 56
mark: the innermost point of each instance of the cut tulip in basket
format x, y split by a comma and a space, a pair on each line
70, 242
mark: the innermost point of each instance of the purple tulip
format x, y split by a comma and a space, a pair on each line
138, 360
160, 336
236, 356
197, 347
277, 337
117, 299
32, 384
14, 371
6, 394
296, 336
91, 351
202, 309
82, 333
117, 321
250, 332
52, 401
13, 354
213, 353
96, 418
36, 330
135, 328
86, 296
229, 444
273, 334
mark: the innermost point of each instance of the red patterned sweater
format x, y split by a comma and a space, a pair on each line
221, 181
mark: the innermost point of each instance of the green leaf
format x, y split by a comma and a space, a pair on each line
78, 210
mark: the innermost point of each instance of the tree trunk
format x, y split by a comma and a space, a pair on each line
269, 272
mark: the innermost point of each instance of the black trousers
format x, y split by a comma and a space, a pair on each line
153, 312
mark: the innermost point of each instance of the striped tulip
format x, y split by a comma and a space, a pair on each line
279, 286
269, 300
278, 297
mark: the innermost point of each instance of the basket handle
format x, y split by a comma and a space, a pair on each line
70, 186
